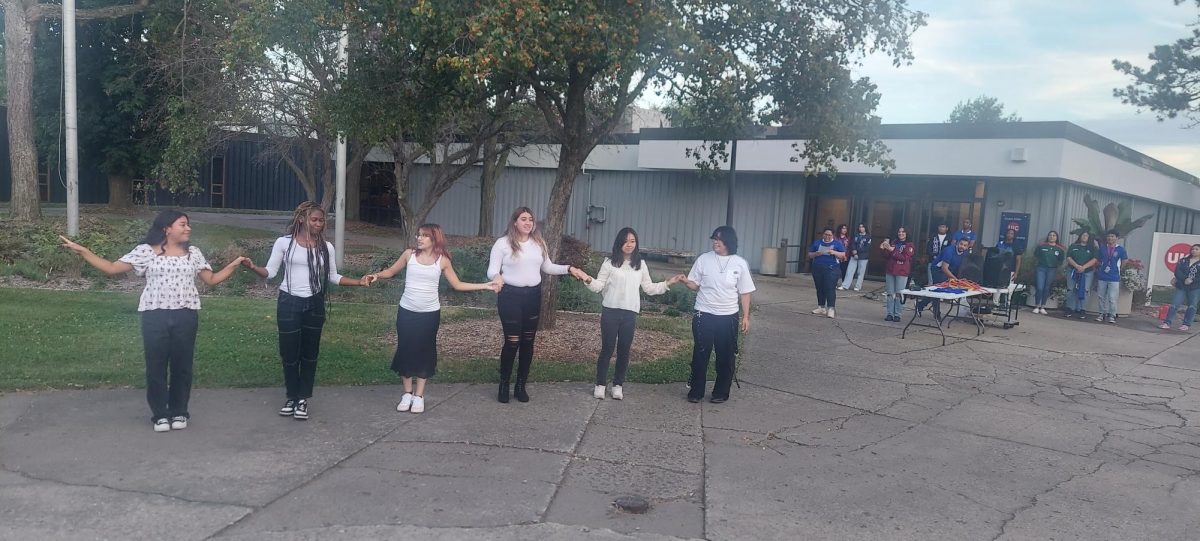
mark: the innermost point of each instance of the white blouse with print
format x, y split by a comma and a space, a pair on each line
170, 280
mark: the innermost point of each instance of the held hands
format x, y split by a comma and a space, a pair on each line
580, 275
676, 279
496, 284
367, 280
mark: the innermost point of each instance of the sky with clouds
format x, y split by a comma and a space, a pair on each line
1045, 60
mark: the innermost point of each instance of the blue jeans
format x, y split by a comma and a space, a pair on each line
1045, 280
826, 278
1074, 303
1109, 292
895, 284
1191, 297
855, 272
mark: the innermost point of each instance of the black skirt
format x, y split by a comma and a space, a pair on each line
416, 343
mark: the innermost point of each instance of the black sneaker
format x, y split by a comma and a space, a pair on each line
695, 399
301, 413
718, 399
288, 408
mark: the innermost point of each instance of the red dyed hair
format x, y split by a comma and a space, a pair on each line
438, 249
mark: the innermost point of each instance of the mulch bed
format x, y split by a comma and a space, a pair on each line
575, 339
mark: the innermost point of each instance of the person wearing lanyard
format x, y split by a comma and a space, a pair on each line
899, 266
825, 254
937, 243
1108, 278
721, 280
1049, 256
860, 255
1081, 258
1187, 289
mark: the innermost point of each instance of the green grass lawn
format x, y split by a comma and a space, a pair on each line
61, 339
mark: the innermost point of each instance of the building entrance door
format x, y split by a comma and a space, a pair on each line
885, 216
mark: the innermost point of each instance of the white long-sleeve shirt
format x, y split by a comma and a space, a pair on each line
296, 274
526, 269
620, 285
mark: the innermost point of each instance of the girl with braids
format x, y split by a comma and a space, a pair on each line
419, 313
169, 309
520, 257
308, 261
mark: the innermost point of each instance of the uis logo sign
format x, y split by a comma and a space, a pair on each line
1175, 254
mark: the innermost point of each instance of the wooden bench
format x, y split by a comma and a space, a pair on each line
673, 257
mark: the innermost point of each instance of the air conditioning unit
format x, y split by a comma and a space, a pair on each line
1018, 155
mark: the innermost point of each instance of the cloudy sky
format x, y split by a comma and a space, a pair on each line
1045, 60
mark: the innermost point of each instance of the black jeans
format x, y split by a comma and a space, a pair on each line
616, 331
301, 320
711, 332
519, 309
169, 340
826, 279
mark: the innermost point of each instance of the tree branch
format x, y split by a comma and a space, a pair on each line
54, 11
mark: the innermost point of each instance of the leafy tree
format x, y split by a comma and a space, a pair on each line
782, 61
21, 17
981, 110
1171, 86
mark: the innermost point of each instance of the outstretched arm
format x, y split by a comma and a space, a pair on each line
213, 278
459, 285
111, 268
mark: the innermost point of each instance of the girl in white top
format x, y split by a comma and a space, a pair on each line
419, 313
308, 263
520, 257
169, 308
722, 281
620, 283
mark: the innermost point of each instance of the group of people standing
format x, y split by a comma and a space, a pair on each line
170, 303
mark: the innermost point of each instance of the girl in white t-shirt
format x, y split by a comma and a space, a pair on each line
309, 264
419, 313
169, 309
520, 257
622, 277
723, 286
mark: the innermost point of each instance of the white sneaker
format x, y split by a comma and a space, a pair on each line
178, 422
405, 402
418, 404
830, 313
598, 392
820, 310
841, 288
617, 393
858, 288
162, 425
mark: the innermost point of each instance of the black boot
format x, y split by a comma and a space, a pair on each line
502, 396
519, 391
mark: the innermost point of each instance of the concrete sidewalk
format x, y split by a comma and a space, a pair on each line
840, 430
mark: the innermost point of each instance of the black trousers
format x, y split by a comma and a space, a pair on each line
301, 320
169, 341
825, 277
711, 332
616, 332
519, 309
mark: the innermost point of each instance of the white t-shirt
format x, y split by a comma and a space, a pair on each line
620, 285
526, 269
722, 279
295, 256
170, 280
421, 286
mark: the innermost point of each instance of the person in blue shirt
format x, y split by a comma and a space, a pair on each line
826, 255
947, 269
965, 233
1108, 276
1008, 245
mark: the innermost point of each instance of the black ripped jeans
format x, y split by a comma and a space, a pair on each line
301, 320
519, 308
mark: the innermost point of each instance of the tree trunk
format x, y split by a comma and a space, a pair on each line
18, 58
569, 163
401, 171
493, 165
354, 180
120, 192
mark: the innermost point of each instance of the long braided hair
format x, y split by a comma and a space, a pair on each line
318, 254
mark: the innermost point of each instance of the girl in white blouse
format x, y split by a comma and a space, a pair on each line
419, 313
620, 283
520, 257
308, 263
169, 309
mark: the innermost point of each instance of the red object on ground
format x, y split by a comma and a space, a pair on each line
1162, 311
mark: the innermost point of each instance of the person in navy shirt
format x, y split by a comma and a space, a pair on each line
826, 255
1108, 276
965, 233
947, 269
